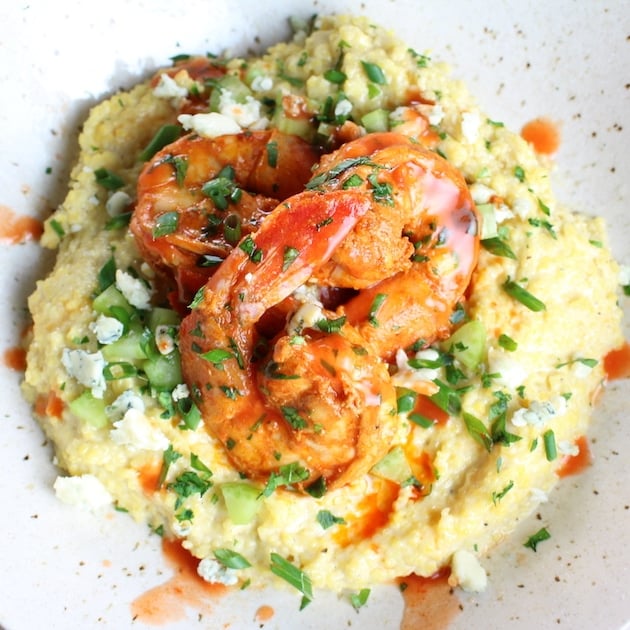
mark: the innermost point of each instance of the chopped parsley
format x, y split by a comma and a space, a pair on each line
165, 224
538, 537
497, 496
331, 325
327, 519
249, 247
289, 255
360, 599
286, 476
291, 415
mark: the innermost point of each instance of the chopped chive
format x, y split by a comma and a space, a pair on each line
494, 123
107, 179
231, 559
58, 229
335, 76
232, 228
331, 325
478, 431
294, 576
420, 420
374, 73
216, 356
523, 296
549, 440
498, 247
164, 136
289, 255
352, 182
272, 154
519, 173
497, 496
507, 343
374, 308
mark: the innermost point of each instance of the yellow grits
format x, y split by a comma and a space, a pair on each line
546, 385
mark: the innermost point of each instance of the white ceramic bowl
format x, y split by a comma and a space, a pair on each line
568, 60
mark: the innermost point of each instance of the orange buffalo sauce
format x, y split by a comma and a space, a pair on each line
542, 134
617, 363
430, 603
49, 405
15, 358
372, 514
149, 475
575, 464
15, 229
167, 602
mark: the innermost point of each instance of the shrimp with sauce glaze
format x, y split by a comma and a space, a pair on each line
199, 196
385, 221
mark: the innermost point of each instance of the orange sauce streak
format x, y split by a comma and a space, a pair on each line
167, 602
264, 613
617, 363
427, 408
574, 465
373, 513
15, 229
148, 477
543, 134
49, 405
430, 603
15, 358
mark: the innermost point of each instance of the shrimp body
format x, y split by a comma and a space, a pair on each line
386, 227
198, 196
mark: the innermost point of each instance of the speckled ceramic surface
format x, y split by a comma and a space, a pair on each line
62, 568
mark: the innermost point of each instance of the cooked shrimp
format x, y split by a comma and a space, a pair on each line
317, 393
198, 196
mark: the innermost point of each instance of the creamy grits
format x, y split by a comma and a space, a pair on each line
484, 417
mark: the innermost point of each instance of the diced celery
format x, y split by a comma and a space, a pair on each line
301, 127
242, 501
89, 410
394, 466
488, 221
112, 297
127, 348
468, 344
376, 120
233, 85
165, 371
159, 316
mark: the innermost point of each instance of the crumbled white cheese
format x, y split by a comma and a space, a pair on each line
117, 202
180, 392
343, 107
581, 370
540, 496
510, 372
211, 570
129, 399
136, 292
481, 193
471, 123
261, 83
86, 368
467, 572
539, 412
136, 432
523, 207
85, 492
167, 87
247, 115
309, 313
211, 125
165, 338
624, 275
406, 376
107, 329
568, 448
502, 213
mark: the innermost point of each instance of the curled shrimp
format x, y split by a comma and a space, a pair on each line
386, 227
199, 196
